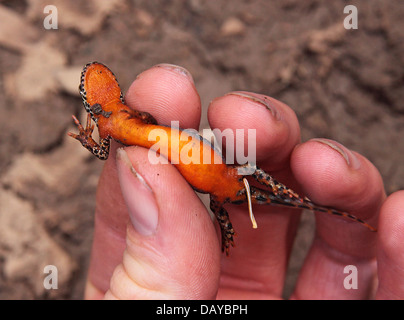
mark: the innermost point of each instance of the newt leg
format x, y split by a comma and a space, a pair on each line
145, 117
226, 227
101, 150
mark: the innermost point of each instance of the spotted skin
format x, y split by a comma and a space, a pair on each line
226, 227
101, 151
289, 198
104, 103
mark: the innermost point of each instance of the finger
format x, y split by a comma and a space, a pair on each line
171, 243
390, 259
276, 125
109, 230
257, 266
334, 176
167, 92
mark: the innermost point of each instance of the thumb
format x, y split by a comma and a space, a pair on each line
172, 249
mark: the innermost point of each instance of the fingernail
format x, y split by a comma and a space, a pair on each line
180, 70
348, 155
138, 196
266, 102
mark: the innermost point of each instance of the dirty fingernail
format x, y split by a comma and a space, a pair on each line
266, 102
138, 196
347, 154
180, 70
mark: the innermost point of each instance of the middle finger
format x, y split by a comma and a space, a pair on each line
257, 266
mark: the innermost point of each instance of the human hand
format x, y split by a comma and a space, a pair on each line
155, 240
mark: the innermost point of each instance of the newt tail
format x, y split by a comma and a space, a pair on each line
260, 196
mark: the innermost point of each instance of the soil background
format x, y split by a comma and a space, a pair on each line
345, 85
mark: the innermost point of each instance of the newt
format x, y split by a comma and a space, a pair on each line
103, 101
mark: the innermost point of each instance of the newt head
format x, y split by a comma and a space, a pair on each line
98, 88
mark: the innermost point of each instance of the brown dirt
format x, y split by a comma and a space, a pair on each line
345, 85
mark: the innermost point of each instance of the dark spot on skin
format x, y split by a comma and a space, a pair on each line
97, 109
261, 198
301, 206
238, 202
